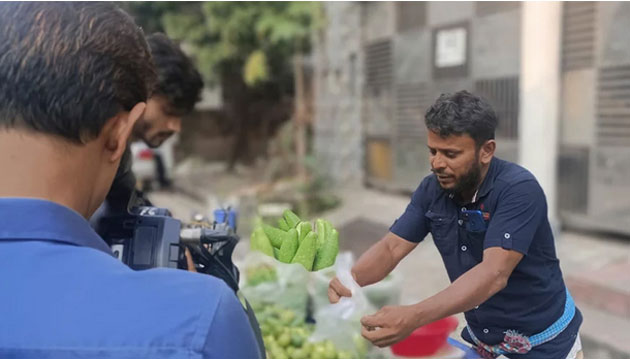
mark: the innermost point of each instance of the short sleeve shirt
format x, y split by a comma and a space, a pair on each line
514, 212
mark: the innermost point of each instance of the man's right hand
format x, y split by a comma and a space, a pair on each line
336, 290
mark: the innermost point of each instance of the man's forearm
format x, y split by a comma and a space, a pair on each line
374, 265
468, 291
378, 261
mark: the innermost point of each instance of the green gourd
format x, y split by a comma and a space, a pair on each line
305, 254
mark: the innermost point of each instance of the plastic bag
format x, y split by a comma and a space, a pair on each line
341, 322
319, 287
385, 292
287, 289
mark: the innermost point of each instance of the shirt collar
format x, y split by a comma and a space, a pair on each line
488, 181
38, 219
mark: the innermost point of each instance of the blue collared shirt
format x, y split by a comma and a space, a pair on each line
515, 218
63, 295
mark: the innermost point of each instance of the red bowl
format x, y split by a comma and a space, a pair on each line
426, 340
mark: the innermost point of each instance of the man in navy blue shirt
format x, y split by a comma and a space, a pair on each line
74, 78
488, 219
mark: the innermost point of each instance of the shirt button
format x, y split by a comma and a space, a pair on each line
486, 331
451, 196
477, 307
463, 209
464, 248
506, 235
460, 222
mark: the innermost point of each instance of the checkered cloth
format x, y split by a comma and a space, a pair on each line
517, 343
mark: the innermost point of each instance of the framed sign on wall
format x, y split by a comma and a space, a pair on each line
451, 51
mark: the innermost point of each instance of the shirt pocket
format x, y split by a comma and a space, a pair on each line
475, 243
442, 229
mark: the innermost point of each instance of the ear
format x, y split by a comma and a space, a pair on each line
118, 130
486, 152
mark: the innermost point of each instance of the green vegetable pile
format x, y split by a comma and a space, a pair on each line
261, 274
285, 336
294, 241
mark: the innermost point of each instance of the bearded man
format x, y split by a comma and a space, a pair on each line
488, 219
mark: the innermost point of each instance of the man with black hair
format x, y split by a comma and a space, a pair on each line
177, 89
74, 79
174, 95
488, 219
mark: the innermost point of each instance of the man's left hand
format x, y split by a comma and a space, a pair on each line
389, 325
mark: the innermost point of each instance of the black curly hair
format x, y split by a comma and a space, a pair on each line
462, 113
178, 79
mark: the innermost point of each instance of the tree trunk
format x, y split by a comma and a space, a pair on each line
240, 145
235, 95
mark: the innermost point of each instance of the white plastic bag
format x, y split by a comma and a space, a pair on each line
341, 322
386, 292
289, 290
319, 287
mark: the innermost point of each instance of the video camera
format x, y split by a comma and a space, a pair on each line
147, 237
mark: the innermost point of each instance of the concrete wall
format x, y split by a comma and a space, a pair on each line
610, 165
378, 20
578, 120
614, 47
338, 61
412, 56
344, 112
496, 45
447, 12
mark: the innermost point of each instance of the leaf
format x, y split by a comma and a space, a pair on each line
256, 69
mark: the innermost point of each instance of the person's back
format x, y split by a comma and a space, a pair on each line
73, 81
64, 296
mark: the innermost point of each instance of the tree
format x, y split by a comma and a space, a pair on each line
249, 48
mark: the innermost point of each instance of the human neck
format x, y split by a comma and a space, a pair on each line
469, 195
45, 167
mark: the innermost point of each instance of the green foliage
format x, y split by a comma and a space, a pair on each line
245, 47
258, 37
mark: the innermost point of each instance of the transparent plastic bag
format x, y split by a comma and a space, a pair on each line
319, 287
287, 290
340, 323
385, 292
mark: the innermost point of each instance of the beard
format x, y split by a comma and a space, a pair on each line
468, 182
143, 130
158, 139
